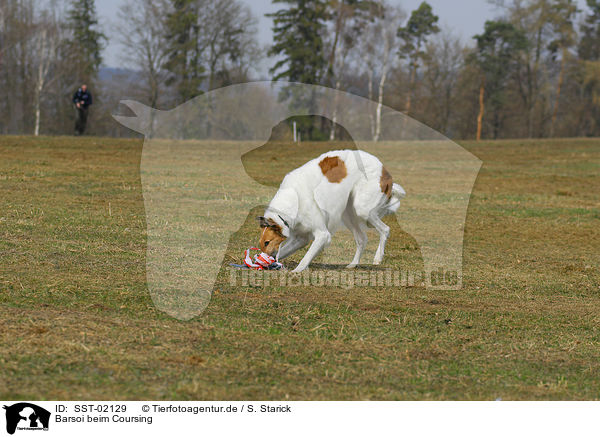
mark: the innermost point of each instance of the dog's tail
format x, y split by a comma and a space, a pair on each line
398, 191
398, 194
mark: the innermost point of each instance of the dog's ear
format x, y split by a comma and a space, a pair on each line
263, 223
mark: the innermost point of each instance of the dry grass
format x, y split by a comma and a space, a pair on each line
78, 321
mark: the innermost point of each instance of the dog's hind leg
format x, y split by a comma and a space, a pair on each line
384, 232
353, 223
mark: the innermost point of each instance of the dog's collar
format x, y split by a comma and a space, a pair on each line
283, 220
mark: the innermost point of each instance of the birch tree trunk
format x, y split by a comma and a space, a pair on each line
335, 111
43, 55
384, 72
558, 90
379, 41
339, 23
411, 82
37, 98
370, 91
387, 48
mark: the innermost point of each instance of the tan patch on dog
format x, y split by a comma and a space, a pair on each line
386, 182
333, 169
271, 237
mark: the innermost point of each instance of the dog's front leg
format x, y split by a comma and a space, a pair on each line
322, 240
291, 246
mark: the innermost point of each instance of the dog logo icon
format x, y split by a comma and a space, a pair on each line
26, 416
197, 191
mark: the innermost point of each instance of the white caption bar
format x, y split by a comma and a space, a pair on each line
22, 418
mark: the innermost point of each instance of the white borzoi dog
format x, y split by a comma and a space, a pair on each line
344, 186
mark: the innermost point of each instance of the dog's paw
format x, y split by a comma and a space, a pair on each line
351, 266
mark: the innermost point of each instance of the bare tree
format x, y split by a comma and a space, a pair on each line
142, 33
562, 17
350, 18
379, 43
339, 64
533, 18
17, 21
421, 24
442, 63
5, 14
47, 39
229, 36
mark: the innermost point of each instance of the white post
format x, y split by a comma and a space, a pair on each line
294, 131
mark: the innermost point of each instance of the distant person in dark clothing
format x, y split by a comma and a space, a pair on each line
82, 99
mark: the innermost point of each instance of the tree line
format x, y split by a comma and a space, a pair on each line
533, 71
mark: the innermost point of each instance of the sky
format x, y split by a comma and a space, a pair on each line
464, 18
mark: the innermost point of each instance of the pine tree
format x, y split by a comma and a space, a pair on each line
421, 24
342, 12
297, 34
298, 41
589, 45
589, 54
497, 49
562, 16
185, 60
87, 41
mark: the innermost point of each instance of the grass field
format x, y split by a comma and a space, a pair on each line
77, 321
